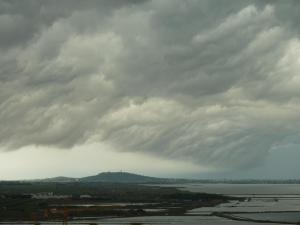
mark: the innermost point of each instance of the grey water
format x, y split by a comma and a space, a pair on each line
156, 220
292, 217
268, 202
242, 189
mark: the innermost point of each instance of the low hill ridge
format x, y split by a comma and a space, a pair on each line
121, 177
113, 177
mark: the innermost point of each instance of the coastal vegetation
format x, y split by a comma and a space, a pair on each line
37, 201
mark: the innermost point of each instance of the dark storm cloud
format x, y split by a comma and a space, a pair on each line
21, 20
214, 82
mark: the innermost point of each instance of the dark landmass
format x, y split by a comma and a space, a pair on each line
115, 177
37, 201
124, 177
110, 194
57, 179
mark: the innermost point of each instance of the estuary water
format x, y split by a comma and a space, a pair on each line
264, 202
242, 189
156, 220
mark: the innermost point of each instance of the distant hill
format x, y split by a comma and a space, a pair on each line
125, 177
121, 177
114, 177
58, 179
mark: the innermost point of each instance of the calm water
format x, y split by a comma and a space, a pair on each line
293, 217
273, 202
242, 189
162, 220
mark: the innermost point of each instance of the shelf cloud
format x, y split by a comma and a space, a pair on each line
216, 83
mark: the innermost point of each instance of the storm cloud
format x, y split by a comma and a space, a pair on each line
213, 82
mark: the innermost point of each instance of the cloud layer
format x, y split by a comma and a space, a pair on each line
215, 83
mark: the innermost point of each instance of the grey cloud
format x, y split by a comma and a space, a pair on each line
203, 81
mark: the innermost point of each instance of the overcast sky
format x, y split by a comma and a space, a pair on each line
193, 88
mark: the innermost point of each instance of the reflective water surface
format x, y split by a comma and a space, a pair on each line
157, 220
